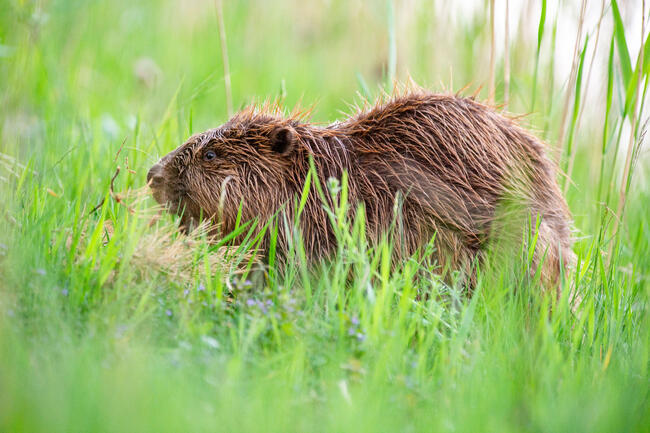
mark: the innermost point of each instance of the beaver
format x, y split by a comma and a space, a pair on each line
449, 163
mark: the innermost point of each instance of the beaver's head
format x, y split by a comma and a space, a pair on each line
241, 168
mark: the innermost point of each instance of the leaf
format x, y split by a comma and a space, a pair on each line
392, 44
630, 91
610, 91
646, 56
578, 93
621, 44
540, 36
540, 28
363, 86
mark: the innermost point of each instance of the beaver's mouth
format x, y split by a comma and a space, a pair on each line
178, 205
159, 195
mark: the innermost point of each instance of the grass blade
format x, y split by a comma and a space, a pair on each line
540, 37
621, 44
574, 118
392, 45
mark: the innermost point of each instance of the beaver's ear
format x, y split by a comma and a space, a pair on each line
283, 140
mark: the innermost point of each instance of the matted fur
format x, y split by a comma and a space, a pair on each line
456, 167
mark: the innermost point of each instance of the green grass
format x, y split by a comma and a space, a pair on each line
96, 337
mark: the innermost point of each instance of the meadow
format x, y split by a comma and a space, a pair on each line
112, 321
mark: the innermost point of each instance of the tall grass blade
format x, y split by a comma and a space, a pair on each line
608, 108
363, 86
571, 83
540, 37
506, 59
392, 45
574, 118
492, 77
224, 56
621, 44
633, 143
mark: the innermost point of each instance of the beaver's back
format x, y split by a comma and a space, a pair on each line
463, 170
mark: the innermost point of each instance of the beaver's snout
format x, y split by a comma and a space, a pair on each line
155, 178
157, 183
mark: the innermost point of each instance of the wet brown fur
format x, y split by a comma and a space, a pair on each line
453, 164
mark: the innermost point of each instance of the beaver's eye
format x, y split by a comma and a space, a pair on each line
209, 155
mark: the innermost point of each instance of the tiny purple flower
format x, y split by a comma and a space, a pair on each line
64, 292
360, 336
186, 292
201, 288
355, 320
168, 313
351, 331
41, 271
250, 302
262, 307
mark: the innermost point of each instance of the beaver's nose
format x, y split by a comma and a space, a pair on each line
155, 177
